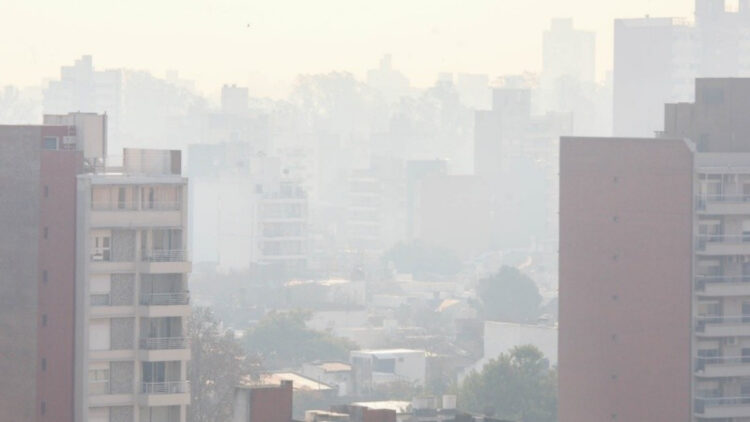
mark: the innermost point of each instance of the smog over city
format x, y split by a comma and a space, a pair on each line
394, 211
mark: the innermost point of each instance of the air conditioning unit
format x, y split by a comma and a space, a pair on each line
730, 341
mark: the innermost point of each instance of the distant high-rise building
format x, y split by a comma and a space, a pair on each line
654, 267
81, 88
656, 60
506, 122
654, 63
568, 65
391, 83
234, 99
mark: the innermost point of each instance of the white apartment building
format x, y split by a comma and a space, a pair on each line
721, 303
131, 282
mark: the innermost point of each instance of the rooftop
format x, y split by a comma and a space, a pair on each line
301, 383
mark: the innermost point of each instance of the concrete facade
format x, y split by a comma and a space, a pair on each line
626, 227
37, 178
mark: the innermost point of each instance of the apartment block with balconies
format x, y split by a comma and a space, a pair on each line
722, 287
132, 275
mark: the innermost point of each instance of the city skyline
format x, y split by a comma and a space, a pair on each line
424, 38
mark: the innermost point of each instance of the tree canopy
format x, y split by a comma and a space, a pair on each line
509, 295
217, 365
518, 386
281, 339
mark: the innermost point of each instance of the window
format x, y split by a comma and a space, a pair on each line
46, 232
50, 142
44, 320
121, 198
44, 276
43, 407
46, 191
44, 364
384, 365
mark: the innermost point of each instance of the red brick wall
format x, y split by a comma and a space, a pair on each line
625, 280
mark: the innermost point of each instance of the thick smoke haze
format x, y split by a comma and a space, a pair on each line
211, 43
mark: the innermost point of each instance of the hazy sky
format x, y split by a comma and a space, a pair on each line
210, 42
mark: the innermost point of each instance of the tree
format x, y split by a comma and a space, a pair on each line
217, 365
282, 340
517, 386
421, 259
509, 295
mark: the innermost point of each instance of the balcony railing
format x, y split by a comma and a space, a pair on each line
702, 361
702, 280
113, 206
161, 206
728, 239
702, 321
99, 299
164, 343
169, 387
100, 387
165, 299
701, 403
165, 255
131, 206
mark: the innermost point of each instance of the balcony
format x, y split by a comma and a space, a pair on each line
165, 299
722, 366
722, 326
99, 299
718, 286
164, 349
101, 306
100, 395
723, 244
156, 214
164, 343
722, 407
163, 261
169, 393
723, 204
154, 305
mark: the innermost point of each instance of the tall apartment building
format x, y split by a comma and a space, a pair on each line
656, 60
38, 168
82, 327
654, 259
132, 270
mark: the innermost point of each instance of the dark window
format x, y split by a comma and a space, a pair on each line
44, 407
46, 191
44, 276
44, 320
44, 364
46, 232
384, 365
50, 142
121, 198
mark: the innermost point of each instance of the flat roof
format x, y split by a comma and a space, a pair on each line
400, 407
301, 383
